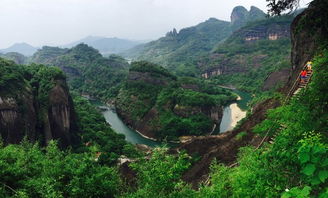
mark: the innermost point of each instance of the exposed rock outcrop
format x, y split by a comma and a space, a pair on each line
240, 16
276, 79
24, 114
15, 124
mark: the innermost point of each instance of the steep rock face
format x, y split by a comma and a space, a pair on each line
61, 115
276, 78
14, 123
240, 16
28, 109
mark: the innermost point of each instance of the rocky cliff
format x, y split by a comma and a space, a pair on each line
240, 16
35, 103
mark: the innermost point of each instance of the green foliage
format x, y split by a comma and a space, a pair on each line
240, 135
98, 135
11, 76
154, 70
43, 79
295, 165
28, 171
297, 192
311, 153
160, 176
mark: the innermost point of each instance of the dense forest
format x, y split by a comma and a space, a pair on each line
162, 106
56, 143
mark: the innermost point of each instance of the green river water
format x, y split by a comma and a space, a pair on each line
135, 138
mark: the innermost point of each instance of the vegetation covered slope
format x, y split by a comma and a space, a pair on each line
178, 51
159, 105
87, 70
254, 58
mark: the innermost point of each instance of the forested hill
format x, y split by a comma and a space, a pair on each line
162, 106
178, 50
87, 70
254, 58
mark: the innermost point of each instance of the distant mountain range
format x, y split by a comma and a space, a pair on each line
22, 48
105, 45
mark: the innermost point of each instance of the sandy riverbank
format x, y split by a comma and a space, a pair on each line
236, 114
144, 136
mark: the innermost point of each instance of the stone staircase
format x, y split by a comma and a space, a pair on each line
300, 86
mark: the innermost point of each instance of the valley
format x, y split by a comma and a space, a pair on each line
216, 109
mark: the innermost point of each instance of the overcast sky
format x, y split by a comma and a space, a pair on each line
57, 22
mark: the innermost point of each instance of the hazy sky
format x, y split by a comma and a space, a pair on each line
56, 22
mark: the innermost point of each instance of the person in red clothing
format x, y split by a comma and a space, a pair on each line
303, 75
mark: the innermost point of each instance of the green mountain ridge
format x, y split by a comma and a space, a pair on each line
87, 70
178, 51
251, 56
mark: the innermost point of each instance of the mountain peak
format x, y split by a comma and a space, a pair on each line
22, 48
240, 15
256, 13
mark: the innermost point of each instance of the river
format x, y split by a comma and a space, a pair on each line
232, 113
